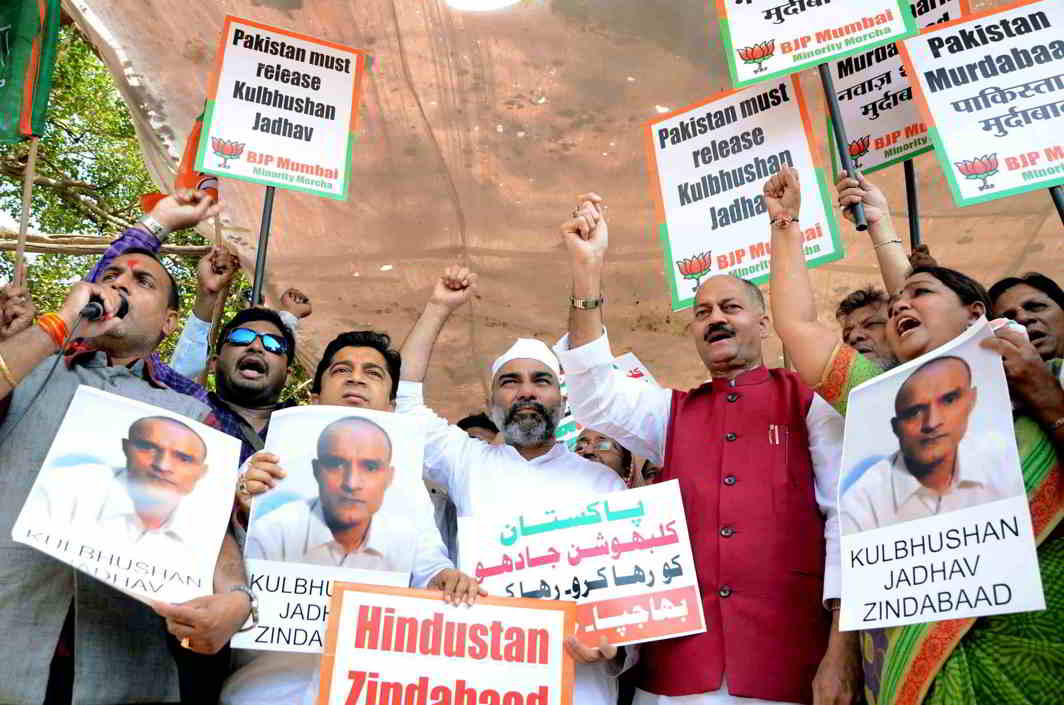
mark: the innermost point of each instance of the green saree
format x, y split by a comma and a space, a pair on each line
1013, 659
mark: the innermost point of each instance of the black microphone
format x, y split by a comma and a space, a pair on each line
93, 310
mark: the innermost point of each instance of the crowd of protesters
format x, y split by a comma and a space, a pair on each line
768, 570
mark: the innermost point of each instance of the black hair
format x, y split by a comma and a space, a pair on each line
1035, 280
754, 292
866, 296
175, 289
967, 289
258, 314
381, 342
480, 420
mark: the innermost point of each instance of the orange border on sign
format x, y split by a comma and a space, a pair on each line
223, 43
651, 156
921, 99
339, 588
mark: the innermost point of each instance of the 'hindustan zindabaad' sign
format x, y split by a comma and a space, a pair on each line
281, 110
992, 89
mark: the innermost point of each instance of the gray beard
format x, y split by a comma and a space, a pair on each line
528, 430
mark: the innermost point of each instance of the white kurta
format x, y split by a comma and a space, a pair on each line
636, 415
481, 477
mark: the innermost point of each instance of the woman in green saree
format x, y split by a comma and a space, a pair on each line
999, 660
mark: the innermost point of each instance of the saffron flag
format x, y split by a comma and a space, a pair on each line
29, 33
187, 176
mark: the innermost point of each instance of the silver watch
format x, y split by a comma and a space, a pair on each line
253, 618
153, 226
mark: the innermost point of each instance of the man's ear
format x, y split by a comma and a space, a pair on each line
894, 426
314, 468
212, 364
171, 322
391, 405
766, 326
976, 309
315, 398
973, 396
125, 449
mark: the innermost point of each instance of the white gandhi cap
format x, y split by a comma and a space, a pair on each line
527, 349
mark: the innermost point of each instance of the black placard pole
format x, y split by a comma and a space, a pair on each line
1057, 192
841, 142
913, 204
264, 239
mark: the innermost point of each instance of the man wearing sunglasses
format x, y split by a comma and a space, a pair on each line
250, 367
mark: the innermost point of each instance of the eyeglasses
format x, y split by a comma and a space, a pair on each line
245, 336
582, 445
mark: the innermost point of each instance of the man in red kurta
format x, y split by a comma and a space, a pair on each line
756, 454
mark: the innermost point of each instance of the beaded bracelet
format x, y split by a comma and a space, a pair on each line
55, 327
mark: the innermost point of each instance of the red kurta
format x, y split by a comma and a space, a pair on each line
741, 453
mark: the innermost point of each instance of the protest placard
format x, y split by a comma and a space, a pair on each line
281, 109
883, 122
353, 506
388, 645
935, 521
708, 165
625, 558
140, 502
991, 88
568, 429
769, 39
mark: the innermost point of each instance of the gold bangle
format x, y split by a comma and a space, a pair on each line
5, 372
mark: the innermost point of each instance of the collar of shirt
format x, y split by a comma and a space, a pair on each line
81, 352
970, 472
559, 450
758, 375
320, 535
119, 505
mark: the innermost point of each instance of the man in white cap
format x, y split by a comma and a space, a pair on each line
526, 404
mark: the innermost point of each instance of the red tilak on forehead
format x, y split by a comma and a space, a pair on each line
133, 263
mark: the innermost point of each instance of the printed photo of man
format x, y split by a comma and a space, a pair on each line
938, 468
140, 503
353, 470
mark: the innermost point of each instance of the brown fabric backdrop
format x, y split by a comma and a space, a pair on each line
477, 130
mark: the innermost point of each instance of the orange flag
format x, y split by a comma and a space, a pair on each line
187, 176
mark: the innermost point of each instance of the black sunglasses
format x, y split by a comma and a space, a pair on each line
245, 336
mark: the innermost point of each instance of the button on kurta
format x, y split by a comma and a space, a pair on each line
733, 397
725, 591
730, 437
729, 480
727, 532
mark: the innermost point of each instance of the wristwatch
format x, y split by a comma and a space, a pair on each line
153, 226
587, 304
253, 618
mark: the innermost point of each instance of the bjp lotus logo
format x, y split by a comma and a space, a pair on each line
859, 148
758, 54
979, 168
695, 267
226, 150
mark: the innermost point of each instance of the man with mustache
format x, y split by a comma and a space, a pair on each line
756, 454
250, 370
526, 404
936, 469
